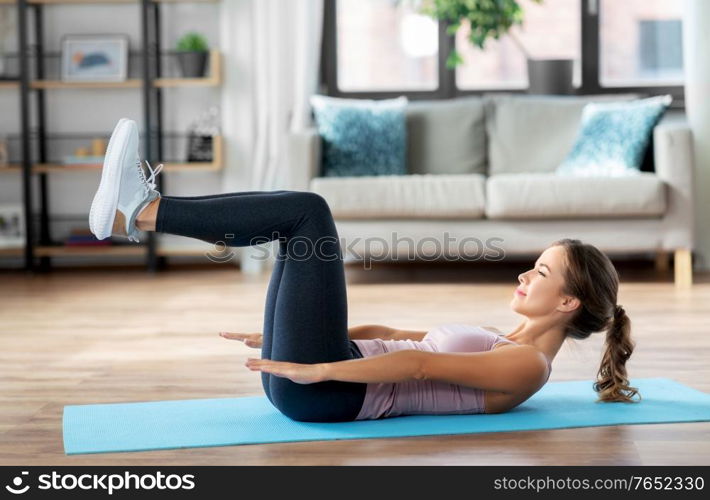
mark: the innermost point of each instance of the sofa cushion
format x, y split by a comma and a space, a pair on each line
408, 196
546, 195
613, 137
531, 133
446, 136
362, 136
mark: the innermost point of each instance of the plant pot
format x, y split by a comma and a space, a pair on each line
192, 64
550, 76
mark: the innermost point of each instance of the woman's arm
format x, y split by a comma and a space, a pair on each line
356, 332
365, 332
501, 370
396, 366
494, 370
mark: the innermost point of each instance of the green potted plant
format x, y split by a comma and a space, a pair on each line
492, 19
192, 50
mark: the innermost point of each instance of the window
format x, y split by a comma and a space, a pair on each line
640, 42
661, 46
385, 45
382, 48
503, 63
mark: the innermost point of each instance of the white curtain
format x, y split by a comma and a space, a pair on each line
696, 38
271, 65
287, 44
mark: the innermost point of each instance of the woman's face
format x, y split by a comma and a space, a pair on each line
542, 286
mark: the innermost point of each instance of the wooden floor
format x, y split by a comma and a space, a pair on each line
82, 336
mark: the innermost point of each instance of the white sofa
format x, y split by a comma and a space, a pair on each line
482, 169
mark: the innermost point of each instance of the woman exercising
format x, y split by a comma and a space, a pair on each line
313, 367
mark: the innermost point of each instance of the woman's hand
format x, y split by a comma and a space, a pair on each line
250, 339
296, 372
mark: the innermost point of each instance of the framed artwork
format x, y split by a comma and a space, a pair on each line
12, 225
94, 58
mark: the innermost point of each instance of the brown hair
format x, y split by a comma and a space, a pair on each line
592, 278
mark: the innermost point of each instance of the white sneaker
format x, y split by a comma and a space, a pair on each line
124, 190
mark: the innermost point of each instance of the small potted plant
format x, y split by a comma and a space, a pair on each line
192, 50
492, 20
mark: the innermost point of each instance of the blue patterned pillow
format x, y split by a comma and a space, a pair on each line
361, 137
613, 137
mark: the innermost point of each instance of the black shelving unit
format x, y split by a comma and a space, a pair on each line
152, 104
26, 160
35, 140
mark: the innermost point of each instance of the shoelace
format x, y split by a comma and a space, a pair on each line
150, 180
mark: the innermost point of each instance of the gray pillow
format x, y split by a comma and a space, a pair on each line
446, 136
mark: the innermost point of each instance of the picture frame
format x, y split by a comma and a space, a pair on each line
94, 58
12, 225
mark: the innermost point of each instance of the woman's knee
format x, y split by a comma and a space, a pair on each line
317, 220
312, 202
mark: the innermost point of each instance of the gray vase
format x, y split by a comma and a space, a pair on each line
192, 64
550, 76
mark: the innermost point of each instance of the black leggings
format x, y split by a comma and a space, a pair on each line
306, 317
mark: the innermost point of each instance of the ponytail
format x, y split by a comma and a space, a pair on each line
612, 382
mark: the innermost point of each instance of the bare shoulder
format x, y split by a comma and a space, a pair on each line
523, 350
528, 359
534, 360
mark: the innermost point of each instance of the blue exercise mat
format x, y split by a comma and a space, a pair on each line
159, 425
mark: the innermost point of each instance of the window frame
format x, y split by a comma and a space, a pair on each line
447, 89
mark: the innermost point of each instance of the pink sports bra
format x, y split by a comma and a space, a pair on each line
417, 397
